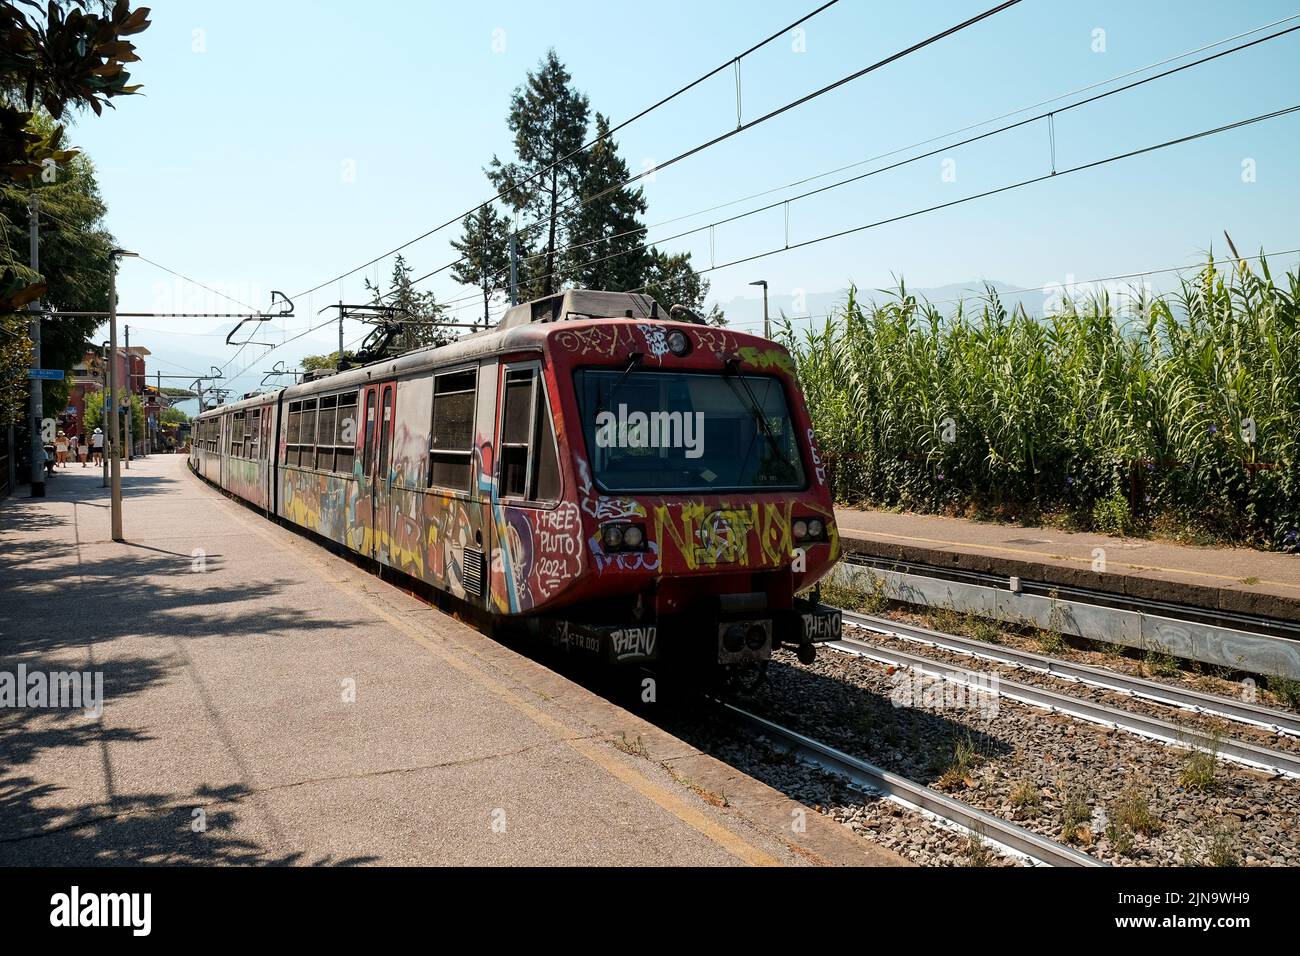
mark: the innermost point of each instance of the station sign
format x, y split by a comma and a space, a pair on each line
50, 374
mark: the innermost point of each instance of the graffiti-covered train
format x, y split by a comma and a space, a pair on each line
600, 474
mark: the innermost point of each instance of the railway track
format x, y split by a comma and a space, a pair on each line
1256, 757
1254, 623
1278, 721
1017, 841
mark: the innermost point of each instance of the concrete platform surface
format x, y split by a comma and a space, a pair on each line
1229, 579
266, 702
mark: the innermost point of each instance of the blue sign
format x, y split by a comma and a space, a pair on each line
52, 374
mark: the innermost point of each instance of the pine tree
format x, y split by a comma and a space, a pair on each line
485, 246
672, 280
606, 234
549, 120
415, 307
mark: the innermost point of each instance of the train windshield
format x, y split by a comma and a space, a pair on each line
656, 431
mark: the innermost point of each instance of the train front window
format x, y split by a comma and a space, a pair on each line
654, 431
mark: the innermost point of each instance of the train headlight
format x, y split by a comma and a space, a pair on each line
622, 536
679, 343
815, 529
733, 639
801, 530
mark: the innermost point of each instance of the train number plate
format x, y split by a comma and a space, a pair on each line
822, 625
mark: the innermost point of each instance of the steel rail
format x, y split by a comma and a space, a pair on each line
1278, 721
1016, 839
1260, 758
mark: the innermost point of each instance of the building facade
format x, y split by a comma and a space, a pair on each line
88, 387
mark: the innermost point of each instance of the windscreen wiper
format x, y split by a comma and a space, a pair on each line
757, 411
632, 363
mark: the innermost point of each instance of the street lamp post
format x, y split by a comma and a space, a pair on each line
114, 433
767, 327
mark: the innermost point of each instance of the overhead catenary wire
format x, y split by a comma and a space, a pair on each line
1049, 115
1263, 117
1081, 167
968, 128
745, 127
612, 130
1011, 293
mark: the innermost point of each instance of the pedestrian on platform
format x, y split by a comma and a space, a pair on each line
61, 449
97, 445
82, 449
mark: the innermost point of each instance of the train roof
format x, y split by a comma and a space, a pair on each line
518, 330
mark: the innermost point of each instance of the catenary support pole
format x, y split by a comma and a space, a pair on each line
36, 411
114, 433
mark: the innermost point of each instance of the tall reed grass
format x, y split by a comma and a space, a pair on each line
1180, 413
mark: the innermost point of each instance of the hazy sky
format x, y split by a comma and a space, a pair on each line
279, 144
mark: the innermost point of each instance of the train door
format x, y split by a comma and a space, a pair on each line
379, 400
527, 490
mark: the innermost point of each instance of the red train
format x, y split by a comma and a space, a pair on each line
618, 481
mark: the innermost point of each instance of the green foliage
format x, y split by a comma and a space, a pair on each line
608, 237
1286, 688
577, 197
313, 363
54, 57
1111, 515
1202, 762
15, 358
94, 417
172, 416
1193, 400
548, 119
485, 246
414, 307
74, 247
672, 280
64, 56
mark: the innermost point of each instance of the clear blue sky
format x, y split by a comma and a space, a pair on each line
231, 168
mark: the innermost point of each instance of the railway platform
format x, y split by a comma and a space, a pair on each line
266, 702
1237, 580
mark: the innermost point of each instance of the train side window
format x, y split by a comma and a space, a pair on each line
345, 433
307, 434
236, 446
325, 428
529, 467
253, 434
368, 449
291, 433
516, 425
546, 486
452, 449
386, 432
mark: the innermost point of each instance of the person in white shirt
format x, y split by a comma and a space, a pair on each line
97, 445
